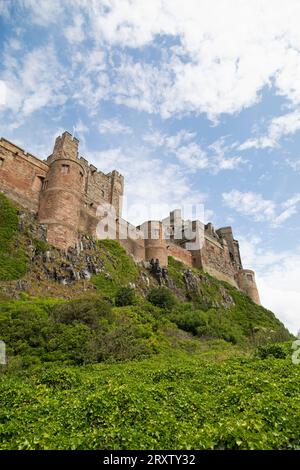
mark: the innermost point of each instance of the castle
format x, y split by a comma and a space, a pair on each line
65, 192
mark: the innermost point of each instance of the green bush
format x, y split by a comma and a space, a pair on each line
124, 296
274, 350
59, 378
84, 311
161, 297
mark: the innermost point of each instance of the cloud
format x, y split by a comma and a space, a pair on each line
254, 206
278, 128
113, 126
182, 145
2, 93
75, 33
203, 63
150, 182
30, 86
277, 275
219, 65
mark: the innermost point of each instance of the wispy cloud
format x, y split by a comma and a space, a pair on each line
259, 209
113, 126
279, 127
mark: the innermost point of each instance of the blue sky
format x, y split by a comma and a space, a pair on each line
193, 101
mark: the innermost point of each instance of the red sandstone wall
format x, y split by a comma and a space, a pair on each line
216, 257
180, 254
21, 175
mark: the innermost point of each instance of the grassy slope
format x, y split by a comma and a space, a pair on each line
13, 261
168, 378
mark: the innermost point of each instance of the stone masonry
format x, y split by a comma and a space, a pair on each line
65, 193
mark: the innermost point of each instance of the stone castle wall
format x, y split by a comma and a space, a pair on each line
65, 192
21, 175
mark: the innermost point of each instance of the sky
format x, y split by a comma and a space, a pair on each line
193, 101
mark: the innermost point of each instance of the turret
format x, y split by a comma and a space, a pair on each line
247, 284
60, 199
233, 245
155, 243
117, 189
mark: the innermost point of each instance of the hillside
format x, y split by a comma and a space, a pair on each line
101, 356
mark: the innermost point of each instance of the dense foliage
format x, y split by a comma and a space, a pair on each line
13, 261
125, 296
162, 297
173, 401
130, 365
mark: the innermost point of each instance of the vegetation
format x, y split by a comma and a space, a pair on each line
125, 296
120, 267
137, 366
13, 260
162, 297
168, 402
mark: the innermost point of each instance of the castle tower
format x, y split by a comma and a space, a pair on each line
117, 190
61, 196
233, 245
247, 284
155, 243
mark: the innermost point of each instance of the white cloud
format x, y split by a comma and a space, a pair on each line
75, 33
278, 128
215, 158
277, 277
192, 156
250, 204
219, 63
2, 93
222, 62
254, 206
149, 182
113, 126
30, 86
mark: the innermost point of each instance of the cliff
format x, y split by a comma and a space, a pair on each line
207, 307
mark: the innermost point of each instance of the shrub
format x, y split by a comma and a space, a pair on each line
59, 378
84, 311
274, 350
125, 296
162, 297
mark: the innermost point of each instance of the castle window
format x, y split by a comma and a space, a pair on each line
249, 277
65, 169
102, 193
1, 162
45, 184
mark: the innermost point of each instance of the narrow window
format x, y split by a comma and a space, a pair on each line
65, 169
102, 193
45, 184
1, 162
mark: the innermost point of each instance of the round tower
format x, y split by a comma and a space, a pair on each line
247, 284
155, 243
61, 197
